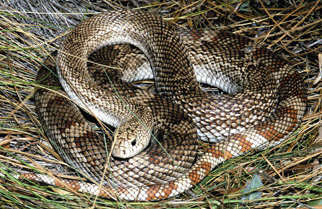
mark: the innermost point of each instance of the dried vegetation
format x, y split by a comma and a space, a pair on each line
290, 173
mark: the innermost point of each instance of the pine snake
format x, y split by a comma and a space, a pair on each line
266, 104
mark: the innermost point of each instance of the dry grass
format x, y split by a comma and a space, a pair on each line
290, 172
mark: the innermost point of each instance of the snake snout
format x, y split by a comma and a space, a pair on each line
130, 139
126, 147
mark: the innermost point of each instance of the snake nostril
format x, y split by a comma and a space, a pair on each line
133, 142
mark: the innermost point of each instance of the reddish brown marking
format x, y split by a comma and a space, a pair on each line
293, 115
73, 185
244, 143
216, 153
152, 191
195, 177
167, 189
227, 155
271, 134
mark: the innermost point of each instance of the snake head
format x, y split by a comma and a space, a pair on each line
130, 138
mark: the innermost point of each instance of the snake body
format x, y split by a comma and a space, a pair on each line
266, 105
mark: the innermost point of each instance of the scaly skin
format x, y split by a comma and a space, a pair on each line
266, 109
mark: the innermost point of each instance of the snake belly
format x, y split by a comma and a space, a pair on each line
266, 109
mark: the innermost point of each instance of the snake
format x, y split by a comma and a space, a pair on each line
156, 150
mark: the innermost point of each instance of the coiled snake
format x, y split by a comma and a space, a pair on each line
265, 105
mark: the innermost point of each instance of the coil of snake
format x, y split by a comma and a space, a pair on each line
157, 153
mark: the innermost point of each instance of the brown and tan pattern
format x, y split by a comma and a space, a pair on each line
266, 105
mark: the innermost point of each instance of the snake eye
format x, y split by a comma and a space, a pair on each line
133, 142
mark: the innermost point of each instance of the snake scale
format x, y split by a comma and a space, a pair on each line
265, 104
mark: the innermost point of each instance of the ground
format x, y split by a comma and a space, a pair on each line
288, 175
